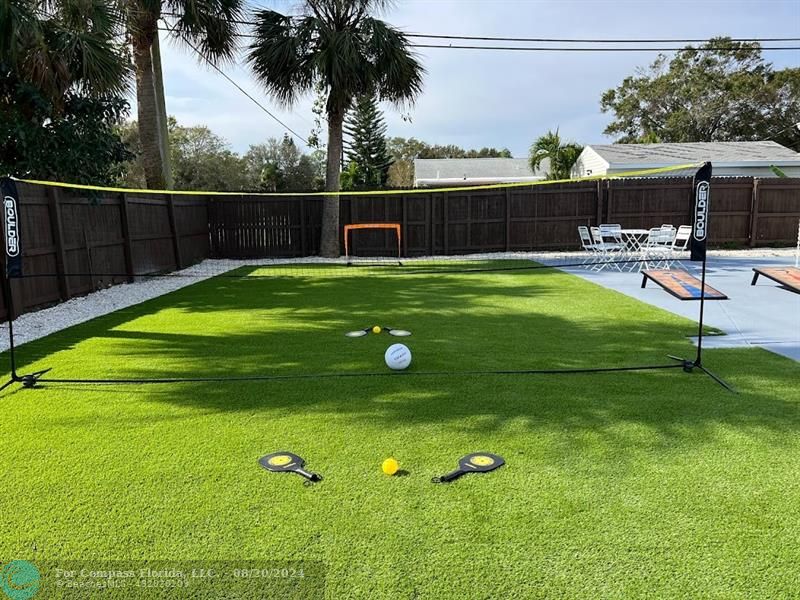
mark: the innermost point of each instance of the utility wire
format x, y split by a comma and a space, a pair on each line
572, 49
564, 40
589, 40
236, 85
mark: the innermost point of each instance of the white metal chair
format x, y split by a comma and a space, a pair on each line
680, 244
608, 251
658, 248
587, 244
612, 231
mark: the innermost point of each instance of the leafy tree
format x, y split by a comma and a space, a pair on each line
132, 171
281, 167
351, 177
209, 25
401, 148
400, 174
452, 151
340, 46
202, 160
62, 76
723, 91
561, 155
77, 143
367, 147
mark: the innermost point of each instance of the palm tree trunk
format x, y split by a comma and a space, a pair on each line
161, 105
329, 243
147, 114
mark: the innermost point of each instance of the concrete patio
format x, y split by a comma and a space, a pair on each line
765, 315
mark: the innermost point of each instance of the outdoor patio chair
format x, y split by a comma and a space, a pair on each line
669, 233
680, 244
587, 244
607, 251
611, 231
658, 248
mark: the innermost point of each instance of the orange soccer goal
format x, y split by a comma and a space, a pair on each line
355, 226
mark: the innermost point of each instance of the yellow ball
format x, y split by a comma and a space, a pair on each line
390, 466
376, 329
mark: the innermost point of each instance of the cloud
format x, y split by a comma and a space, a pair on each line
481, 98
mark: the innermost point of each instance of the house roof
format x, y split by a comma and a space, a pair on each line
739, 153
429, 170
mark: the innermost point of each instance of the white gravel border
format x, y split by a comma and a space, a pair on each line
35, 325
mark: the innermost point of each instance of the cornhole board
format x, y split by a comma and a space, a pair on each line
788, 277
681, 284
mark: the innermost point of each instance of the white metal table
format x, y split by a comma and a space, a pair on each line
633, 241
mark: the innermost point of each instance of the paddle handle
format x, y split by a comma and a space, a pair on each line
308, 475
449, 477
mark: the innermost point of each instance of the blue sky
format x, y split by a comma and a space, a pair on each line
490, 98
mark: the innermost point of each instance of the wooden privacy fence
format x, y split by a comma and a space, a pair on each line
90, 240
76, 242
744, 211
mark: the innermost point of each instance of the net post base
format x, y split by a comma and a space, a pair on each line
28, 381
690, 365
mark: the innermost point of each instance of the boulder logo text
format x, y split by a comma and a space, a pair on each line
12, 233
701, 211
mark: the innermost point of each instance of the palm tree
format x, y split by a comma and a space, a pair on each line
59, 45
339, 46
561, 155
208, 25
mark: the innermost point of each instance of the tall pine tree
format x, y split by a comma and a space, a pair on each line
366, 150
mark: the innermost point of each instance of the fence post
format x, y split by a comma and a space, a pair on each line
213, 228
53, 198
126, 236
754, 214
352, 217
609, 203
303, 251
404, 228
173, 226
445, 227
430, 223
599, 200
508, 219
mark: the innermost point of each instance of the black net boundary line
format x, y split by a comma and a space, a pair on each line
405, 270
301, 376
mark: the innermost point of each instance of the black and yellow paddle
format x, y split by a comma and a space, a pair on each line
480, 462
287, 462
378, 329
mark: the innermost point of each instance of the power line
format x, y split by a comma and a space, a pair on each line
564, 40
238, 87
570, 49
591, 40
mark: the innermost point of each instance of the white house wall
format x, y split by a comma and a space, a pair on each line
589, 163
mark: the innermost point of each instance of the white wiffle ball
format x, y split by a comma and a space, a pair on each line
397, 357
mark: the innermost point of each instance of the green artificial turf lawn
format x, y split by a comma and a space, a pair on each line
637, 484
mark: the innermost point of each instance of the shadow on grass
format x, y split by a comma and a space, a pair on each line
294, 325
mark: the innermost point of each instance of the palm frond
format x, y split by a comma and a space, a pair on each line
396, 72
75, 43
283, 56
211, 25
336, 44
